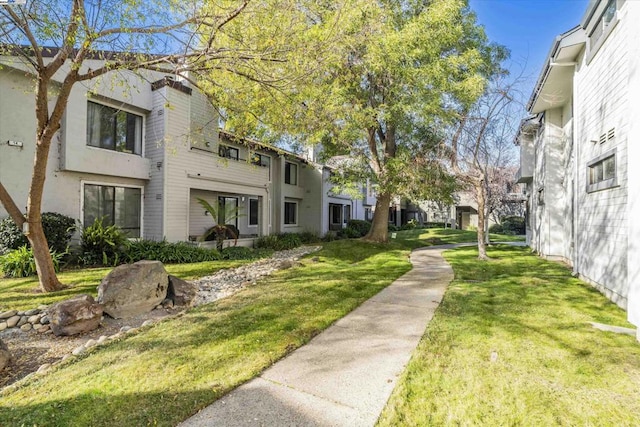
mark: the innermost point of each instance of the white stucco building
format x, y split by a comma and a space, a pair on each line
577, 151
139, 149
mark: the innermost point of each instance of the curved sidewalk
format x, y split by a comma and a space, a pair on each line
345, 375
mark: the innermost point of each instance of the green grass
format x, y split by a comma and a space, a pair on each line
442, 236
174, 368
552, 367
24, 293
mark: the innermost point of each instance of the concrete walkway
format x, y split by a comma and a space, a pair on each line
345, 375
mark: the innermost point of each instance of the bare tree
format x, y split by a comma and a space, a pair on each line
482, 149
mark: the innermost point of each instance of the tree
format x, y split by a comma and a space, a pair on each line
185, 38
482, 152
381, 95
222, 215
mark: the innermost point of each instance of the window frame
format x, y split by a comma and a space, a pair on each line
602, 184
257, 201
333, 209
140, 133
83, 184
288, 165
295, 213
224, 151
605, 27
346, 214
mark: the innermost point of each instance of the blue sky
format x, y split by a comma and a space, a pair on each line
528, 28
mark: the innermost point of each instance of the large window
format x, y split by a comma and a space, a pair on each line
119, 206
228, 210
601, 172
228, 152
335, 214
290, 213
113, 129
291, 173
604, 22
253, 212
260, 160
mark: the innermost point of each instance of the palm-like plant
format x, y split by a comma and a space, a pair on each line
221, 213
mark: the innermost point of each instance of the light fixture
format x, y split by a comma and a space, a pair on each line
206, 213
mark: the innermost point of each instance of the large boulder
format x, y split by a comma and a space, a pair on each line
5, 356
181, 292
75, 316
133, 289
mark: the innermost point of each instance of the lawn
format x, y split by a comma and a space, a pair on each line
24, 293
511, 345
441, 236
172, 369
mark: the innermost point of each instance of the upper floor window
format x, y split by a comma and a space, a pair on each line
291, 173
228, 152
260, 160
604, 21
601, 172
113, 129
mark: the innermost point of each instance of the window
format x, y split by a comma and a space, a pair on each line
335, 214
119, 206
290, 213
392, 215
228, 152
347, 214
260, 160
603, 23
113, 129
228, 210
253, 212
291, 173
368, 214
601, 172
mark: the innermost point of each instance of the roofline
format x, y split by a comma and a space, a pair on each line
263, 145
547, 65
588, 14
51, 51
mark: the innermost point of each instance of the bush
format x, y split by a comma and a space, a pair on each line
495, 228
279, 242
240, 252
168, 253
393, 227
102, 245
513, 225
307, 237
58, 230
434, 225
349, 233
20, 262
362, 227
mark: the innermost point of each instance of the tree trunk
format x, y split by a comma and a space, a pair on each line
379, 231
482, 244
44, 264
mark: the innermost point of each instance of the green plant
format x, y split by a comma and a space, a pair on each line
307, 237
513, 225
393, 227
58, 229
359, 225
222, 214
102, 244
168, 253
349, 233
279, 242
495, 228
20, 263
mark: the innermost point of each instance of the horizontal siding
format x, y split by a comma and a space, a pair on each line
154, 194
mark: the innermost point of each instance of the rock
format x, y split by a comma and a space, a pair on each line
75, 316
90, 343
20, 313
34, 319
130, 290
5, 356
78, 350
182, 293
22, 321
125, 329
8, 314
44, 368
43, 307
44, 329
167, 303
3, 326
102, 339
44, 320
37, 326
26, 327
32, 312
147, 323
13, 321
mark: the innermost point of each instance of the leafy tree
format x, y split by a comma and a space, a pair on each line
172, 36
381, 95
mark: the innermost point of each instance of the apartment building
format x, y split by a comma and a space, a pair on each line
140, 149
577, 150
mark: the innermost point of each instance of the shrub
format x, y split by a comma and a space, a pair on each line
240, 252
434, 224
495, 228
349, 233
393, 227
20, 262
513, 225
279, 242
58, 230
102, 244
168, 253
307, 237
362, 227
